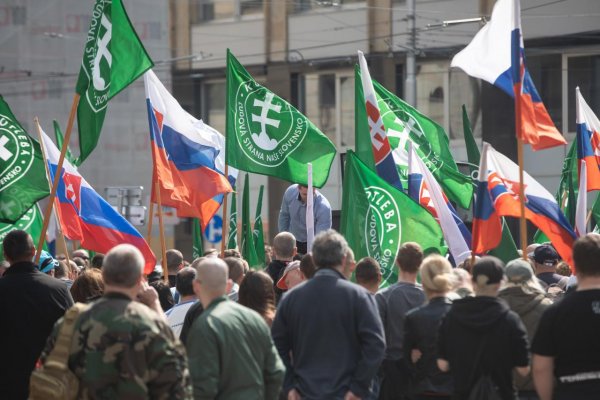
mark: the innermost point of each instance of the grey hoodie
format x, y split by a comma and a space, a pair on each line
530, 307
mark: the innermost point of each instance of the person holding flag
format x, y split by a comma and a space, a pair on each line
292, 215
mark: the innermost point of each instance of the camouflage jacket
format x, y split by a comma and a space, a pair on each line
122, 349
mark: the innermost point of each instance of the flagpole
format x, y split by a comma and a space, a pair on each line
522, 220
59, 167
163, 246
43, 147
225, 228
150, 218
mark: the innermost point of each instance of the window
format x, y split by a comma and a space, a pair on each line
583, 71
306, 5
546, 74
213, 104
463, 90
431, 90
329, 104
208, 10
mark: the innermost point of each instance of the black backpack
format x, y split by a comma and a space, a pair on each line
484, 388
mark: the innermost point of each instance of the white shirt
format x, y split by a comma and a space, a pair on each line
176, 315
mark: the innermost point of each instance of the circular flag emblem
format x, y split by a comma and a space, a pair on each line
97, 58
24, 223
16, 153
383, 229
269, 129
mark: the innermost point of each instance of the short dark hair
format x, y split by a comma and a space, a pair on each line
174, 260
586, 253
185, 279
236, 268
80, 262
367, 271
232, 253
307, 266
410, 257
257, 292
61, 270
18, 245
97, 260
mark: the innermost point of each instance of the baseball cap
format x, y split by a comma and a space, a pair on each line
546, 254
294, 265
488, 271
518, 271
47, 262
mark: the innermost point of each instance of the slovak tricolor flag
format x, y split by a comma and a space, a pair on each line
424, 189
588, 142
188, 155
496, 55
87, 217
498, 195
382, 151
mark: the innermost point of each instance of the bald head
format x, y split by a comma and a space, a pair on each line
123, 266
212, 275
284, 246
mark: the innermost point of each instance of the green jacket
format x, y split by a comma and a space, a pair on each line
231, 354
121, 349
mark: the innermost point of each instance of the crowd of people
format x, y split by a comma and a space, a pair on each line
308, 326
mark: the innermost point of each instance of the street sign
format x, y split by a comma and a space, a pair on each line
214, 230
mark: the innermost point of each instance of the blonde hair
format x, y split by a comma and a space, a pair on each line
436, 274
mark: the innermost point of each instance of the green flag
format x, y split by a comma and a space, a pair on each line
473, 154
267, 136
59, 143
568, 187
259, 236
30, 222
233, 229
507, 249
113, 57
377, 218
247, 249
22, 171
197, 245
403, 123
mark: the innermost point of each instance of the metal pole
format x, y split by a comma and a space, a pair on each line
410, 90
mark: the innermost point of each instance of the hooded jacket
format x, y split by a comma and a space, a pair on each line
482, 336
529, 307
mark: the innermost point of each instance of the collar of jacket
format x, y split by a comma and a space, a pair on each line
329, 272
21, 267
217, 301
116, 296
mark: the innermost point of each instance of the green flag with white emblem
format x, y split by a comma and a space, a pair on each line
377, 218
259, 236
22, 172
113, 57
267, 136
233, 229
404, 123
31, 222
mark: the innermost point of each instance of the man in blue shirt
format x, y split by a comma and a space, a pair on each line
292, 215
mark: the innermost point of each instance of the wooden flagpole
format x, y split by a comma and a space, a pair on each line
61, 159
43, 147
522, 198
225, 228
163, 245
150, 219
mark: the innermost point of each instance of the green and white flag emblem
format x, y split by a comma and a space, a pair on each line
268, 136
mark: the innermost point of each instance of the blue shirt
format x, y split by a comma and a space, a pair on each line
292, 215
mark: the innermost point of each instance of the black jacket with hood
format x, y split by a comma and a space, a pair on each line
483, 327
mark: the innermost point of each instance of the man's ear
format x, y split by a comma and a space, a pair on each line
196, 286
228, 286
295, 251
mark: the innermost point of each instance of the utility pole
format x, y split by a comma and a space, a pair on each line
410, 90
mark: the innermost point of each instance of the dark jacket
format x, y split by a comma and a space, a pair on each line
30, 303
530, 307
421, 327
485, 323
331, 329
275, 270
